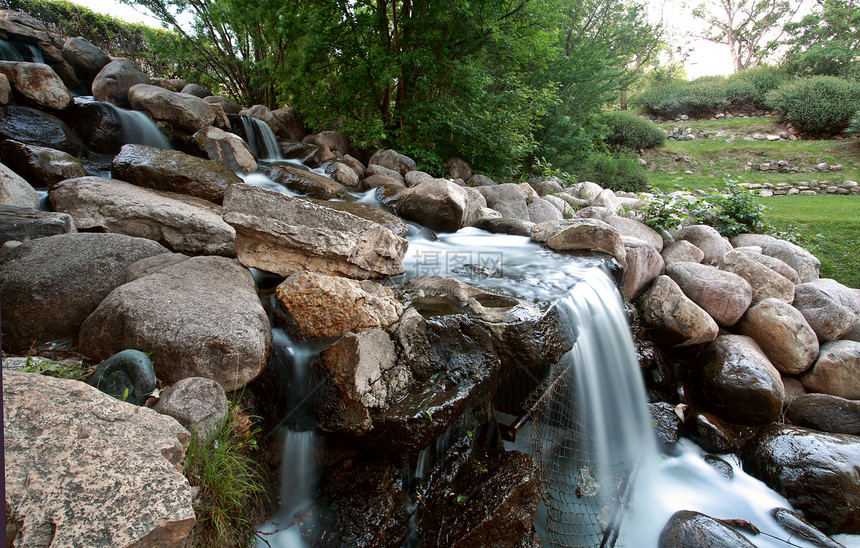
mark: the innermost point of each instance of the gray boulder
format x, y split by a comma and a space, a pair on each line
723, 295
765, 283
112, 83
830, 308
437, 204
393, 160
87, 59
342, 173
36, 84
677, 320
226, 148
24, 223
480, 180
376, 169
588, 235
783, 333
199, 404
586, 190
772, 263
183, 112
197, 318
15, 191
128, 376
801, 260
837, 371
507, 199
541, 211
752, 240
227, 105
682, 251
296, 130
197, 91
40, 166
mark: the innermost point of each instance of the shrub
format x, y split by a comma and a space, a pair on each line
819, 105
763, 80
629, 132
619, 172
732, 212
700, 98
854, 124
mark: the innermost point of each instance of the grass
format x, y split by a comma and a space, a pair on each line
765, 124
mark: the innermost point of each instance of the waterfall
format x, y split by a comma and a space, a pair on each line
9, 52
139, 129
262, 141
35, 54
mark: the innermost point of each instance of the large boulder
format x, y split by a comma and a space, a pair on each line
85, 469
42, 167
173, 171
229, 106
707, 239
766, 284
227, 148
15, 190
586, 190
112, 83
588, 235
542, 211
801, 260
837, 370
310, 305
196, 90
783, 333
199, 404
296, 130
100, 125
644, 264
676, 319
816, 472
825, 413
24, 223
36, 84
689, 529
184, 112
393, 160
197, 318
180, 223
35, 127
85, 58
51, 285
734, 379
507, 199
265, 115
723, 295
437, 204
752, 240
284, 235
830, 308
308, 183
682, 251
17, 26
772, 263
335, 141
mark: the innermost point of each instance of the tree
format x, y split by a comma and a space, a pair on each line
742, 25
825, 42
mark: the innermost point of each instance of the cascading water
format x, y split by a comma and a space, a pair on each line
139, 129
9, 52
262, 141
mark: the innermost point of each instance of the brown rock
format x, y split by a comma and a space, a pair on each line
723, 295
677, 320
783, 333
765, 283
36, 84
837, 371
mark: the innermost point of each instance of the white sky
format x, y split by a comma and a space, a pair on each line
706, 58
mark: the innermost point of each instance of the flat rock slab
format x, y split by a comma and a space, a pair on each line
86, 470
24, 223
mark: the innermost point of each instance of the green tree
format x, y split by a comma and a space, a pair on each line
825, 42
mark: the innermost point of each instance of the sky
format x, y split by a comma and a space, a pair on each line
706, 58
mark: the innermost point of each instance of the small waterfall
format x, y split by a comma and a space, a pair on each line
9, 52
262, 141
35, 54
139, 129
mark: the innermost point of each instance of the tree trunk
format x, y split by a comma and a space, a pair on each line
623, 99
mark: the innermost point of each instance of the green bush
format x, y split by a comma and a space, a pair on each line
763, 80
620, 172
700, 98
854, 124
820, 105
629, 132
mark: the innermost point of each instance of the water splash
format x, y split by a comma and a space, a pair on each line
260, 138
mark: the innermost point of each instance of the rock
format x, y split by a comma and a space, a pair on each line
227, 105
177, 222
816, 472
18, 26
15, 191
689, 529
457, 168
100, 125
804, 262
91, 498
278, 127
772, 263
112, 83
714, 434
830, 308
36, 84
5, 91
376, 169
793, 390
528, 192
227, 148
677, 320
635, 229
707, 239
69, 272
23, 223
310, 305
284, 235
199, 404
723, 295
682, 251
644, 264
734, 379
40, 166
752, 240
438, 204
197, 91
127, 376
308, 183
410, 179
378, 180
587, 190
342, 173
296, 130
589, 235
606, 198
336, 141
783, 333
477, 180
666, 422
800, 528
507, 199
514, 227
183, 112
837, 371
722, 467
541, 211
476, 207
370, 212
548, 187
826, 413
566, 209
87, 59
765, 283
197, 318
34, 127
394, 161
173, 171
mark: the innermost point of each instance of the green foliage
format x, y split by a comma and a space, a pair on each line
665, 211
620, 172
826, 41
700, 98
761, 80
819, 105
629, 132
854, 124
229, 479
733, 211
67, 369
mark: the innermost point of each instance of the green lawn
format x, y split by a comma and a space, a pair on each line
765, 124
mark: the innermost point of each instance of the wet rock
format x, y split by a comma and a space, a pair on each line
308, 183
481, 180
184, 112
438, 204
173, 171
793, 390
644, 264
87, 59
15, 191
676, 320
69, 450
766, 284
772, 263
716, 435
343, 174
112, 83
310, 305
40, 166
507, 199
589, 235
689, 529
69, 272
666, 422
799, 527
830, 308
394, 161
226, 148
197, 318
722, 467
127, 376
783, 333
515, 227
197, 91
826, 413
264, 114
541, 211
837, 370
296, 130
816, 472
377, 180
98, 124
198, 404
284, 235
36, 84
723, 295
682, 251
227, 105
24, 223
734, 379
801, 260
20, 27
178, 222
34, 127
707, 239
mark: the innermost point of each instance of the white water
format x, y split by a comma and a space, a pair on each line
262, 141
139, 129
8, 52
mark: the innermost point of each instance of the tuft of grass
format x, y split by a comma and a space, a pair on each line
230, 480
65, 369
